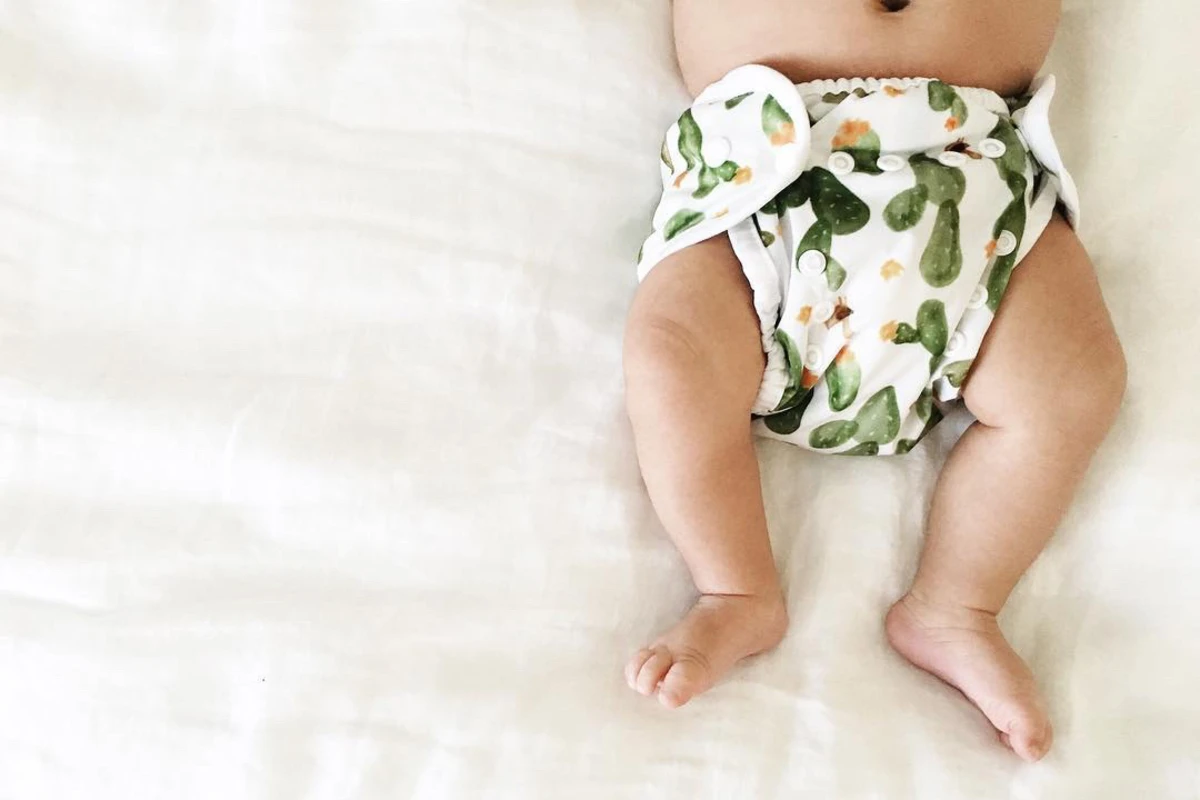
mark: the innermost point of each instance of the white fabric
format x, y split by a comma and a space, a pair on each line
314, 479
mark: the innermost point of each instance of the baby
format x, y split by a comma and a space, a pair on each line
840, 251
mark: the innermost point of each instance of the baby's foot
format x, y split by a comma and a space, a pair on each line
719, 631
965, 648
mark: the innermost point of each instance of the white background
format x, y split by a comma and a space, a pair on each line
314, 476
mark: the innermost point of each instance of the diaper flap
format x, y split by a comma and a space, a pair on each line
743, 141
1033, 121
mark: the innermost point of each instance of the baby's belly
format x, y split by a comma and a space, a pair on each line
996, 44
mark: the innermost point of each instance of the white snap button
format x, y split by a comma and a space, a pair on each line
1006, 242
715, 150
812, 357
811, 262
841, 163
978, 298
956, 343
822, 311
952, 158
992, 148
890, 163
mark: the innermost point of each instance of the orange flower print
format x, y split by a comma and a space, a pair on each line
887, 331
805, 315
892, 91
990, 248
849, 132
786, 134
682, 177
891, 269
808, 378
743, 175
951, 124
844, 355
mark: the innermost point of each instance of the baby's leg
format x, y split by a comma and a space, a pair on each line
693, 364
1045, 389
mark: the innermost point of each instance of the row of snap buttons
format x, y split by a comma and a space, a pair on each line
842, 163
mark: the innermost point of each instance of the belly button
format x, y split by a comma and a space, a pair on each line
894, 5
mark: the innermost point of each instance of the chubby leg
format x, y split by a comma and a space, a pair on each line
693, 364
1045, 390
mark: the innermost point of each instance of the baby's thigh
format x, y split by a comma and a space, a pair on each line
1052, 352
696, 306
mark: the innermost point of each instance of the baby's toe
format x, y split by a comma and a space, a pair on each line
1030, 738
653, 670
683, 681
634, 666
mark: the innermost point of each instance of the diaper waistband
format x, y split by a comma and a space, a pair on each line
814, 92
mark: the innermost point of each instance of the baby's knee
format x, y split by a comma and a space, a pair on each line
1108, 382
1083, 400
1075, 394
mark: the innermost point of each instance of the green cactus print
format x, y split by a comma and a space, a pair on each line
838, 210
857, 414
795, 362
1013, 221
924, 403
832, 434
787, 422
865, 153
942, 260
906, 209
833, 98
683, 219
1011, 167
878, 420
863, 449
844, 377
794, 196
942, 184
835, 205
1015, 157
820, 237
942, 97
956, 372
876, 423
777, 124
932, 417
734, 102
931, 330
691, 141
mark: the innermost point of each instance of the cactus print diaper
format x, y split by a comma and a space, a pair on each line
877, 222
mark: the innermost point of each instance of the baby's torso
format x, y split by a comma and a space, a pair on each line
994, 44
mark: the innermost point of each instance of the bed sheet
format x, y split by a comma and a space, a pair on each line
314, 476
